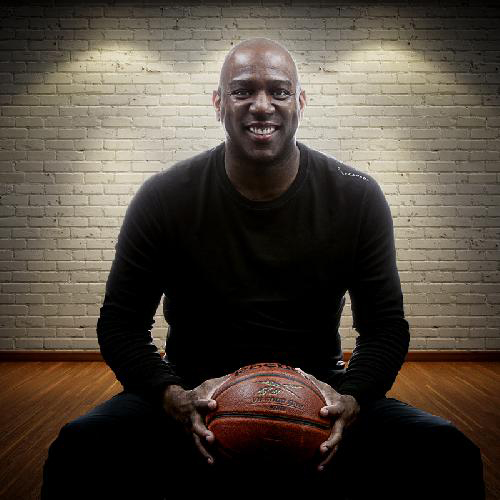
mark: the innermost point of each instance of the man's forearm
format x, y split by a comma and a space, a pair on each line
374, 364
133, 357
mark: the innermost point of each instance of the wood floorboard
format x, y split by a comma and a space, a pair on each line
38, 398
466, 394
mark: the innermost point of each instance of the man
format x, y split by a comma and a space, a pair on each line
254, 245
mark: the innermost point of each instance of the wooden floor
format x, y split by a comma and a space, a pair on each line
38, 398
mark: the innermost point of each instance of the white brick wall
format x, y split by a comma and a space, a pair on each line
96, 97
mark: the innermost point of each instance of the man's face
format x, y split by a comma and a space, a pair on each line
259, 104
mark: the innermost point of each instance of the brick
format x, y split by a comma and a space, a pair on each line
55, 343
38, 343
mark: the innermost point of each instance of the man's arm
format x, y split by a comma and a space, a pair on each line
133, 291
377, 305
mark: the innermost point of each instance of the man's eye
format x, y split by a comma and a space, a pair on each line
241, 93
281, 94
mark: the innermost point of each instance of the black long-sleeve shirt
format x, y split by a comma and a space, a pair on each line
248, 281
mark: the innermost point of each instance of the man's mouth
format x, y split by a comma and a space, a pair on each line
262, 132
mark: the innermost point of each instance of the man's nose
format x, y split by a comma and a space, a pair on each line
262, 103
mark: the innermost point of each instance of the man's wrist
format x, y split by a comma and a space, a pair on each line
162, 389
356, 395
170, 390
353, 398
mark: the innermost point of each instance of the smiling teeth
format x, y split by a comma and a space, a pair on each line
262, 131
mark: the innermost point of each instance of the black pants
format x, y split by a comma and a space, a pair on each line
126, 449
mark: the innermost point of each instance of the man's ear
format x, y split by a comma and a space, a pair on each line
216, 103
302, 103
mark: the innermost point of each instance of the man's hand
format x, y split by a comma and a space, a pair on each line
189, 407
343, 408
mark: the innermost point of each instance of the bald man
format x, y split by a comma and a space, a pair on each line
253, 245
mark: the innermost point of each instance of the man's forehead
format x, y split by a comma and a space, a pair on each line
252, 62
252, 72
266, 55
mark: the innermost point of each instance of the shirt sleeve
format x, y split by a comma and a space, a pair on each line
134, 289
377, 305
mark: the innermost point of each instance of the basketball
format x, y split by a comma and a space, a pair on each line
268, 411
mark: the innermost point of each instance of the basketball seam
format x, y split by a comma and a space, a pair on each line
263, 416
222, 389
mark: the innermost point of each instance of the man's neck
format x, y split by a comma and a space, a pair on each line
262, 182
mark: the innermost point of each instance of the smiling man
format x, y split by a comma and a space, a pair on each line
260, 104
254, 244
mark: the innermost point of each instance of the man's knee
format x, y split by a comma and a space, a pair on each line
462, 455
65, 465
447, 438
411, 443
454, 461
84, 433
86, 443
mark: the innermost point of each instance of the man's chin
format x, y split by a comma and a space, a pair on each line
264, 156
264, 153
261, 153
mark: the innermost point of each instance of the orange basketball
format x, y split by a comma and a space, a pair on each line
268, 411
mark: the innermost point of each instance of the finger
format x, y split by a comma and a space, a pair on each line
200, 429
330, 446
320, 385
203, 451
205, 405
328, 458
333, 410
218, 382
207, 388
312, 378
335, 437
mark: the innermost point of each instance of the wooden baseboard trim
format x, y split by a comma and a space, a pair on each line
50, 355
453, 355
